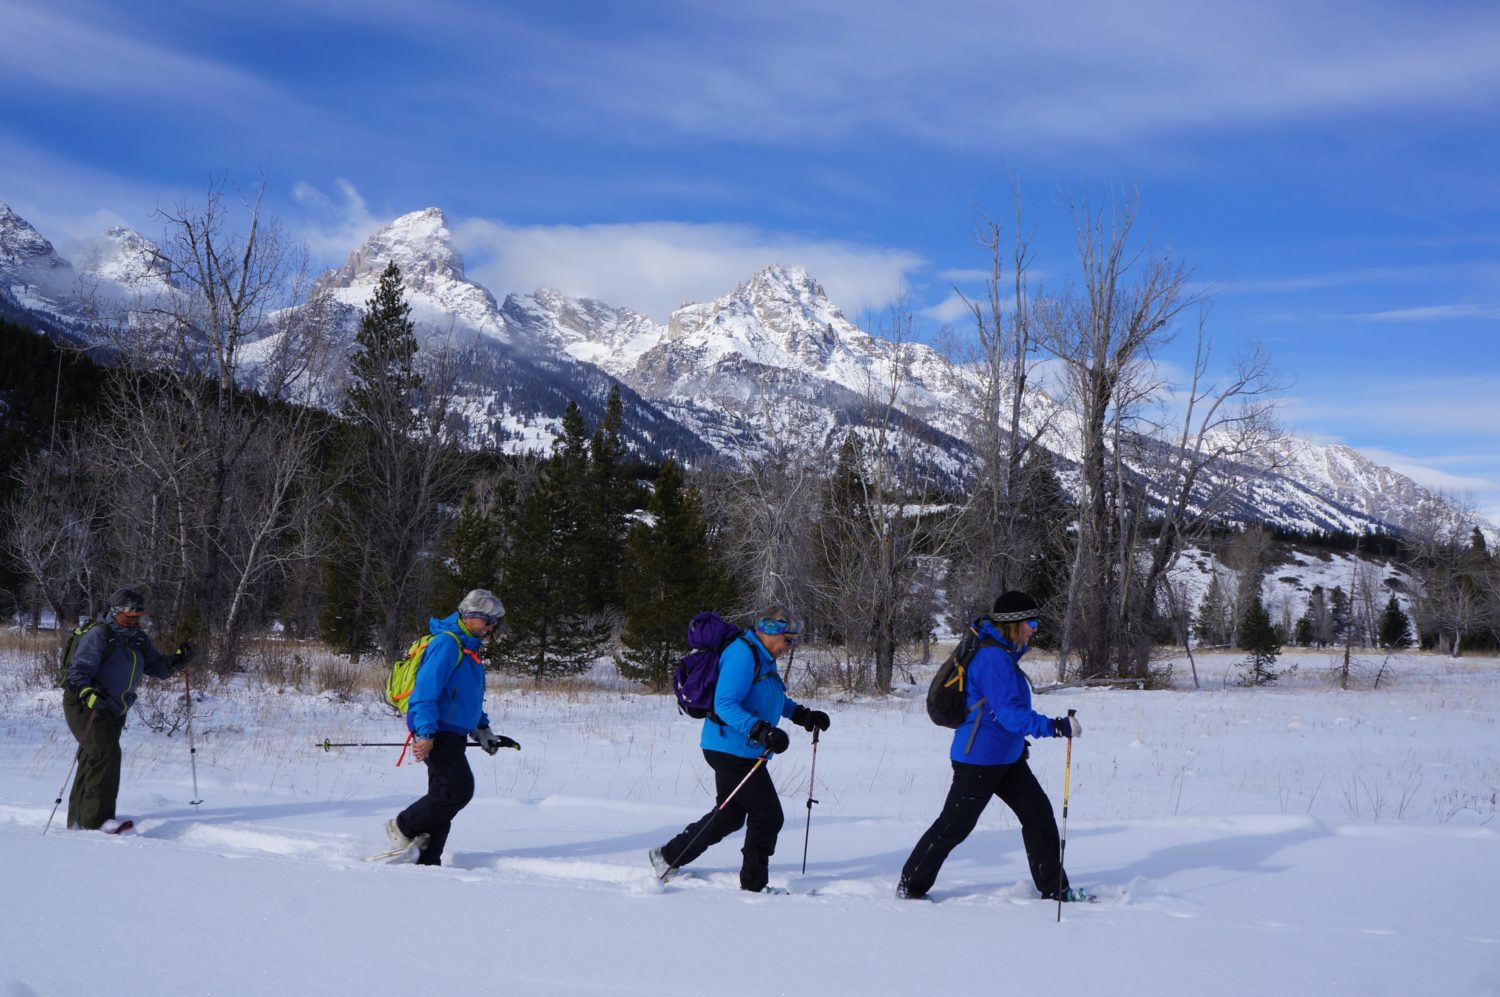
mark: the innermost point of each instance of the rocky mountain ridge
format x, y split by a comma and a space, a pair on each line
773, 357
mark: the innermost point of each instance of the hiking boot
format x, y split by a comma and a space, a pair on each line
404, 850
1072, 895
904, 892
663, 869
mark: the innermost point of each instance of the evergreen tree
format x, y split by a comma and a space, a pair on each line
1341, 615
400, 467
1046, 516
1212, 627
1258, 637
1395, 626
670, 572
470, 556
610, 499
551, 631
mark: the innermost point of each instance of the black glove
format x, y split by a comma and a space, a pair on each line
1067, 727
810, 720
773, 738
184, 654
490, 742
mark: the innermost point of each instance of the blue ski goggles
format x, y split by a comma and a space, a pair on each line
777, 628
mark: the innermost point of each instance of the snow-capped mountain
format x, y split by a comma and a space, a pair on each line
33, 277
773, 358
37, 283
126, 261
432, 274
518, 381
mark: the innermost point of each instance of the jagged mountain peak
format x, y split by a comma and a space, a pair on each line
432, 272
121, 255
780, 317
22, 245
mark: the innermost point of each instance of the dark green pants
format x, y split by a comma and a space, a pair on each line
97, 782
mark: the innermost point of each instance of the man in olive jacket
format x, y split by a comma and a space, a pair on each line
98, 689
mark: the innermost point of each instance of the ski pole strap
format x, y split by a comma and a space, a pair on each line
405, 744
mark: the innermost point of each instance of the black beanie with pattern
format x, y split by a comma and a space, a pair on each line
1014, 606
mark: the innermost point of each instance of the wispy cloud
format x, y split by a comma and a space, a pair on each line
972, 74
655, 267
1428, 313
334, 226
103, 53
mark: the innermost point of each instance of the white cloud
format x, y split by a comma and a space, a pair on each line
655, 267
336, 227
1428, 313
977, 74
951, 310
98, 53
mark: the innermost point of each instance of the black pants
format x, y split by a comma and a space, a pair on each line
973, 785
97, 784
755, 805
450, 787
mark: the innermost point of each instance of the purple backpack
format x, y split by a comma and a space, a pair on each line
694, 678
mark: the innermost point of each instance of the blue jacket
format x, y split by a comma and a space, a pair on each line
1006, 718
749, 690
449, 691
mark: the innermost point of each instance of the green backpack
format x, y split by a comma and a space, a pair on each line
404, 672
74, 638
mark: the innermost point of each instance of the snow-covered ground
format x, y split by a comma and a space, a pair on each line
1289, 840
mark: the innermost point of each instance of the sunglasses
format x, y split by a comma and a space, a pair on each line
1033, 624
486, 617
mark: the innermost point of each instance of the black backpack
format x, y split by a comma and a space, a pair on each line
947, 705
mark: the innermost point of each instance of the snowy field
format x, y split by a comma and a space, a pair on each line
1290, 840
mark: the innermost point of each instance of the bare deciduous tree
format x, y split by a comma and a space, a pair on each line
1104, 332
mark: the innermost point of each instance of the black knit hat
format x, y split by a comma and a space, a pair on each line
1014, 606
126, 601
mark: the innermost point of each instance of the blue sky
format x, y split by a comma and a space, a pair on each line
1332, 168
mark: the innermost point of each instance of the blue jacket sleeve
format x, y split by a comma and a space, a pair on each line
1007, 698
439, 659
736, 673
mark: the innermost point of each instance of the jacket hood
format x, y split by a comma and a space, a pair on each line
987, 628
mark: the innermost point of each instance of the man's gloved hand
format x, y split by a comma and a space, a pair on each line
184, 653
1067, 727
90, 697
773, 738
490, 742
810, 720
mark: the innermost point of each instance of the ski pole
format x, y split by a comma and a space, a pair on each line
328, 745
812, 776
76, 755
187, 693
1062, 841
718, 809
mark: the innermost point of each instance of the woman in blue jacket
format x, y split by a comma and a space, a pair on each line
446, 704
989, 758
738, 738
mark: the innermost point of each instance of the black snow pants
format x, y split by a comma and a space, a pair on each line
973, 785
755, 807
450, 787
